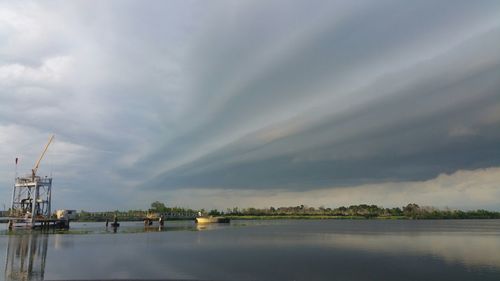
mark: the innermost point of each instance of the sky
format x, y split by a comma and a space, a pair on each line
216, 104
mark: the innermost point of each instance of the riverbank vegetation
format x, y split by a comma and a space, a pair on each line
158, 208
362, 211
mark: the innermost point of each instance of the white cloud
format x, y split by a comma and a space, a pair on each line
463, 189
52, 70
27, 143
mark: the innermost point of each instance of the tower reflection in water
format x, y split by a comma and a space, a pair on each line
26, 255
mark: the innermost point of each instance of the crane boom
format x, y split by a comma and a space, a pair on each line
35, 169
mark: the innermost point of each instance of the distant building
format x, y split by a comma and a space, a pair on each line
66, 214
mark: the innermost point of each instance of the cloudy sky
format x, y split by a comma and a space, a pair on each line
253, 103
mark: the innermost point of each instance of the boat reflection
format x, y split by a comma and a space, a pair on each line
25, 257
154, 229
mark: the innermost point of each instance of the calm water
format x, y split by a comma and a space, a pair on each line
260, 250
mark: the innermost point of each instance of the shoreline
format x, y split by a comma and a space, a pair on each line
307, 217
298, 217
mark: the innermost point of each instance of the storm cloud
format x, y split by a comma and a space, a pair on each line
248, 96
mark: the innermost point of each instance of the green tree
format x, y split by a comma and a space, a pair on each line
214, 212
158, 207
412, 210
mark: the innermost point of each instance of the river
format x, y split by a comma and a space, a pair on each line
259, 250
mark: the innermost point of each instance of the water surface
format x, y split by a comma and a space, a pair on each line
260, 250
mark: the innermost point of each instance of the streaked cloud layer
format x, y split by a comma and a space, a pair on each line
248, 97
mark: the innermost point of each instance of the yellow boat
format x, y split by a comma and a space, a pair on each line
212, 220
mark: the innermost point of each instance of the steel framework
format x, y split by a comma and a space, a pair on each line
31, 199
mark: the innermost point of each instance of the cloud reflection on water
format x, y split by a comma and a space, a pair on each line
469, 250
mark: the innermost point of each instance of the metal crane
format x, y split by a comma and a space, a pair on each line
37, 164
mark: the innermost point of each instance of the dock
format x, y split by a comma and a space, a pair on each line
17, 223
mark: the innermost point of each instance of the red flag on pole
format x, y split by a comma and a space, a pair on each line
17, 159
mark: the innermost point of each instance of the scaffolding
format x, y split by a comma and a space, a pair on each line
31, 199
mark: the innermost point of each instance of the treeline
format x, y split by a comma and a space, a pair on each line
410, 211
171, 213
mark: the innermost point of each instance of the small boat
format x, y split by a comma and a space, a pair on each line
212, 220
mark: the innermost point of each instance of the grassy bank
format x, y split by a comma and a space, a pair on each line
278, 217
312, 217
306, 217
